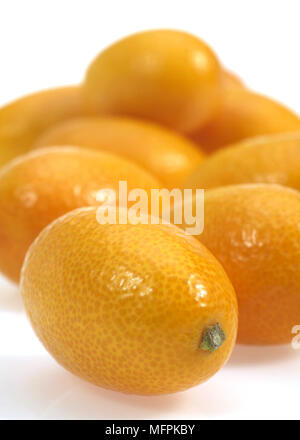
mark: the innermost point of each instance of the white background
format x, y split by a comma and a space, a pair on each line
49, 43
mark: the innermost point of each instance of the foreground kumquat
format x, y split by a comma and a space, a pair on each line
141, 309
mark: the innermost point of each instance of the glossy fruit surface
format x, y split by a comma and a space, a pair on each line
165, 154
254, 231
126, 307
267, 159
166, 76
245, 114
24, 120
38, 187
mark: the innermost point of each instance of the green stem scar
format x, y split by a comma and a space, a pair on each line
212, 338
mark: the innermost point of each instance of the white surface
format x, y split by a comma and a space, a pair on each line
49, 43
